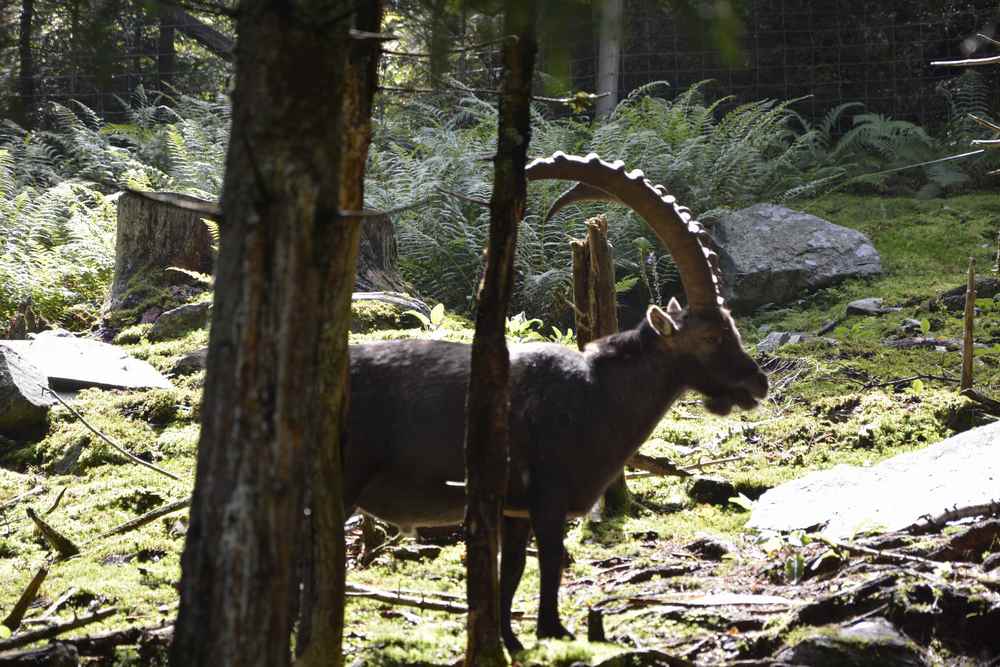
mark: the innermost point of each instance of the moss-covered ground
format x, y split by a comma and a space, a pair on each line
856, 401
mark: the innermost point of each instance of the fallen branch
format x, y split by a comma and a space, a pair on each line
656, 465
54, 607
990, 405
140, 521
61, 544
17, 641
937, 522
27, 494
421, 602
16, 615
705, 464
53, 655
124, 452
907, 380
418, 599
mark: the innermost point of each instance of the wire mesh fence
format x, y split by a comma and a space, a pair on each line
828, 52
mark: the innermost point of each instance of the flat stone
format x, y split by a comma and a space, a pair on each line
711, 547
869, 643
869, 306
24, 403
777, 339
74, 363
961, 471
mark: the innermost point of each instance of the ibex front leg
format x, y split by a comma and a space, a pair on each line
548, 518
516, 533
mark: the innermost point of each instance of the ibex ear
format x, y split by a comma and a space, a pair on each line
674, 309
661, 322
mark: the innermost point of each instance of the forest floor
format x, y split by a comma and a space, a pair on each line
653, 574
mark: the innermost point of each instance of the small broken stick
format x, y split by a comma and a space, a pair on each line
13, 620
61, 544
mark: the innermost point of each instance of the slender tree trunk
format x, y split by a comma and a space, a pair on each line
324, 607
166, 56
278, 341
489, 391
610, 19
25, 107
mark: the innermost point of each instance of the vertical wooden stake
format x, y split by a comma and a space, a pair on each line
581, 292
970, 318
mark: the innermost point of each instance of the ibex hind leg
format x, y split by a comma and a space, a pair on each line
516, 533
548, 519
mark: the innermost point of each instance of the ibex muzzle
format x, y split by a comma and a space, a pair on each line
575, 417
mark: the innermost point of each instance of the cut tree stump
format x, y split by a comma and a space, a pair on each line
152, 237
378, 258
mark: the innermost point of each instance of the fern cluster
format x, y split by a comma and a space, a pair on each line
57, 207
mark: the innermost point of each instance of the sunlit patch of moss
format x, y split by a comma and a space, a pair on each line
564, 653
133, 334
368, 316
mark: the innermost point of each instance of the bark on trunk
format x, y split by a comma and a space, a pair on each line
166, 56
152, 237
276, 377
489, 392
378, 259
25, 107
324, 607
604, 316
609, 54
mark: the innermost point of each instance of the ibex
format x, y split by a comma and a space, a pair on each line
575, 417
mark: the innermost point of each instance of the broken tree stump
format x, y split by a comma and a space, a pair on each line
595, 309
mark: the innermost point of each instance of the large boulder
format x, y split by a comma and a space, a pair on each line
772, 254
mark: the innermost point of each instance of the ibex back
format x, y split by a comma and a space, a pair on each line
575, 419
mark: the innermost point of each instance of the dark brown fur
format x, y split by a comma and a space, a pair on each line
575, 419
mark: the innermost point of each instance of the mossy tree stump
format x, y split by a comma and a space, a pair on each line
151, 238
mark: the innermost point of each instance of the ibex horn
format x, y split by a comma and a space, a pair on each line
671, 222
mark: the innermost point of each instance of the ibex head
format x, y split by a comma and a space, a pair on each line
703, 337
707, 353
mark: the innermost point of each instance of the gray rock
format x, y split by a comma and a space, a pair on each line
24, 405
711, 490
711, 547
870, 306
954, 299
959, 472
73, 363
991, 562
869, 643
777, 339
180, 320
190, 363
771, 254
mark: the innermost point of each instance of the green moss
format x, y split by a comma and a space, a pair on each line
133, 334
368, 316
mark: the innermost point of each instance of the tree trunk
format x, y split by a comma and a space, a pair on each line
489, 391
276, 373
604, 318
324, 593
166, 56
25, 106
610, 21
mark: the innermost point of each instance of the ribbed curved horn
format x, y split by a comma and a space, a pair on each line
579, 192
672, 223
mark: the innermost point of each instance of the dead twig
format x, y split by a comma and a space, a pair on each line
51, 610
704, 464
907, 380
140, 521
124, 452
420, 601
56, 502
17, 641
16, 615
988, 404
63, 545
656, 465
